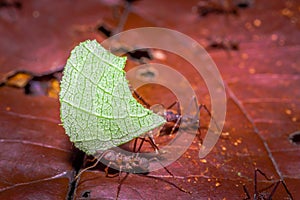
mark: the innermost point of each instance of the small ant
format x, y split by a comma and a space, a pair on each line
14, 4
203, 8
223, 43
261, 194
127, 163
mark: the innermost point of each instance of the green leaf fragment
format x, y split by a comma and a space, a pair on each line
97, 109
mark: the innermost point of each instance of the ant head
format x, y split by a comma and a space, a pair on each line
158, 109
171, 116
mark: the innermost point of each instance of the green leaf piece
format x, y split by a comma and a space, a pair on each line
97, 108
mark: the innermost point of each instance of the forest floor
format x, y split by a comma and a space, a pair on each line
255, 46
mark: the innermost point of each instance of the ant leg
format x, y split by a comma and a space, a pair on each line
209, 113
196, 117
274, 189
170, 183
120, 173
199, 126
256, 193
166, 169
189, 109
106, 171
285, 187
212, 118
120, 184
176, 124
94, 165
90, 160
123, 18
134, 144
246, 192
153, 144
178, 113
151, 141
177, 106
170, 106
199, 107
269, 179
178, 110
141, 144
139, 97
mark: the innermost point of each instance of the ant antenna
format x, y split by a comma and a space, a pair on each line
92, 166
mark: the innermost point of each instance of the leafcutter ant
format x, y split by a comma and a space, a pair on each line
262, 194
204, 8
223, 43
127, 163
174, 119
